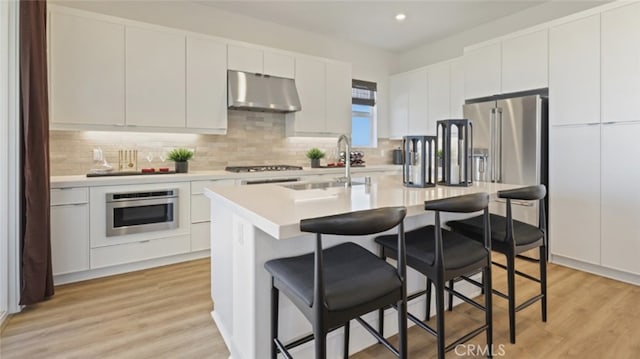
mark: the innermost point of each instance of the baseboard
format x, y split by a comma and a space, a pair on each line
130, 267
596, 269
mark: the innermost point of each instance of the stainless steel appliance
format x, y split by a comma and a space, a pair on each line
139, 212
455, 143
510, 138
259, 92
270, 180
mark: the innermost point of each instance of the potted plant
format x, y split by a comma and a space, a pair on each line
315, 154
181, 156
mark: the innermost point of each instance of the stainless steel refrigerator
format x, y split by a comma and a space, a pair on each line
510, 146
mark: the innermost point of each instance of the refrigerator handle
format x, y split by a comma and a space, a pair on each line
498, 142
491, 164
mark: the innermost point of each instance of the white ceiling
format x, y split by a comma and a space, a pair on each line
373, 22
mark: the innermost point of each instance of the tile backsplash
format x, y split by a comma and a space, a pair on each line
252, 138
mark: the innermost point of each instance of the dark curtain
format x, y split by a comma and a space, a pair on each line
37, 277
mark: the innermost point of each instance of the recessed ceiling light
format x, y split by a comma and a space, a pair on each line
401, 17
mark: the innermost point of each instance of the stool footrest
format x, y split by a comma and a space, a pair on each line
466, 337
282, 349
528, 259
525, 275
529, 302
377, 335
464, 298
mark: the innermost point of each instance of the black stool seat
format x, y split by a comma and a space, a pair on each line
352, 276
458, 250
524, 233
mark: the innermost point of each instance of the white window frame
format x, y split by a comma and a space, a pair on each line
373, 141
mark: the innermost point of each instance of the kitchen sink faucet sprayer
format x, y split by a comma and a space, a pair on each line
347, 157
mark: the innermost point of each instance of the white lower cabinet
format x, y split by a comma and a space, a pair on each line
201, 213
69, 230
138, 251
200, 236
620, 198
574, 192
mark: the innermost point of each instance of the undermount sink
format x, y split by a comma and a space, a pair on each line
318, 185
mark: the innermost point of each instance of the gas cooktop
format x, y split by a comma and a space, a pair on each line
262, 168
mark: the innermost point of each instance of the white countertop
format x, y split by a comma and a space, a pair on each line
277, 210
84, 181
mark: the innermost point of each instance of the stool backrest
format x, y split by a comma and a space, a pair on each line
468, 203
530, 193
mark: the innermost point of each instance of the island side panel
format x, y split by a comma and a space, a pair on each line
221, 236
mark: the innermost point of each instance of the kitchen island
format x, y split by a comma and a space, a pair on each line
253, 224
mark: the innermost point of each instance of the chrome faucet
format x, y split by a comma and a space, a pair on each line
347, 158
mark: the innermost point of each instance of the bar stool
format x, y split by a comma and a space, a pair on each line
441, 256
334, 285
511, 238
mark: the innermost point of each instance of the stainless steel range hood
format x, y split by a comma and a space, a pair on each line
257, 92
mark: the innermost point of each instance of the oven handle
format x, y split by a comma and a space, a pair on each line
142, 203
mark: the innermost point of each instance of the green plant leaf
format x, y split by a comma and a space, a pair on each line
180, 155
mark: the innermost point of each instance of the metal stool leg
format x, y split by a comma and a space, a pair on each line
543, 281
274, 321
486, 276
346, 341
427, 315
511, 284
451, 295
440, 318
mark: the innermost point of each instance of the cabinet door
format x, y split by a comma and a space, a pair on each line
456, 88
439, 96
399, 101
70, 238
338, 119
206, 84
621, 64
418, 106
311, 85
247, 59
574, 192
482, 71
155, 78
574, 72
620, 197
280, 65
525, 62
86, 64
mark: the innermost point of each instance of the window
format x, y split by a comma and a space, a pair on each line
363, 114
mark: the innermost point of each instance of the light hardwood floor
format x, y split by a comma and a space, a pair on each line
164, 313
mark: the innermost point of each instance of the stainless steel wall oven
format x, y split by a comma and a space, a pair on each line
143, 211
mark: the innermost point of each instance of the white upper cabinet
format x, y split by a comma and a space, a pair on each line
574, 72
482, 70
206, 83
155, 81
248, 59
338, 107
399, 102
525, 62
621, 64
418, 103
456, 88
256, 60
409, 104
87, 71
439, 95
279, 64
311, 85
324, 88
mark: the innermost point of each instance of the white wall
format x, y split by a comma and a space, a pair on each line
453, 46
369, 64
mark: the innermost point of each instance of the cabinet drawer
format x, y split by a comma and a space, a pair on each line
197, 187
200, 208
139, 251
200, 236
60, 196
